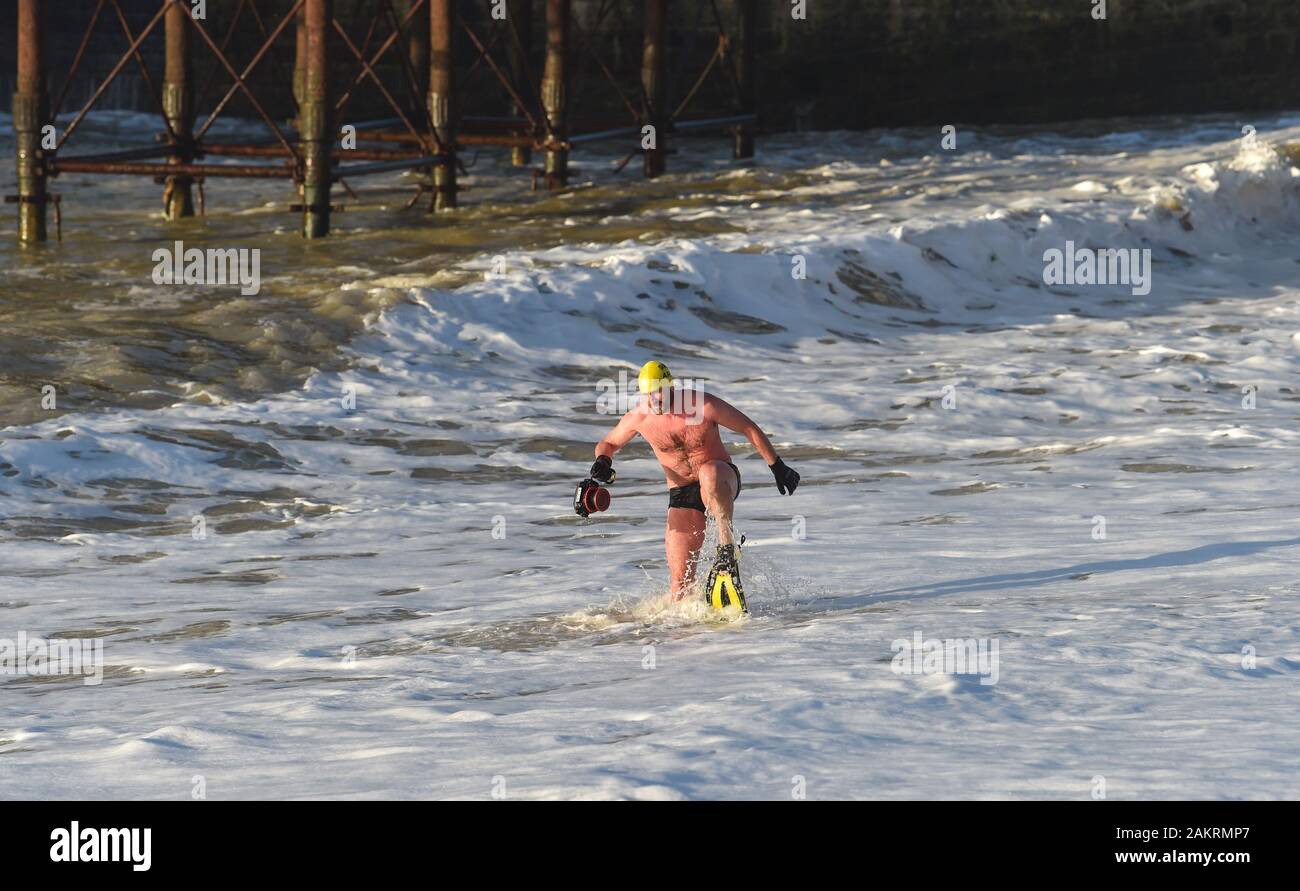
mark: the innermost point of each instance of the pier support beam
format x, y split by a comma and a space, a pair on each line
178, 105
31, 107
442, 102
417, 51
315, 127
553, 91
520, 13
746, 71
653, 73
300, 57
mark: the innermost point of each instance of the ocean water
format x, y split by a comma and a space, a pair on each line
325, 533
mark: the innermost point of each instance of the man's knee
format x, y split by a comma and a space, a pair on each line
715, 482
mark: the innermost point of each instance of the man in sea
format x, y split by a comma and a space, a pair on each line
681, 426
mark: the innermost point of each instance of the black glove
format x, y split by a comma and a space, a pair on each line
603, 470
785, 477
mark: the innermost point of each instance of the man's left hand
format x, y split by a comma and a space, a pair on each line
786, 479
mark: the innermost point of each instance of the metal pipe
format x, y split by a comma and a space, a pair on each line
368, 69
248, 150
442, 108
554, 89
361, 127
300, 56
238, 83
157, 151
70, 165
178, 107
314, 126
520, 15
235, 171
377, 123
604, 134
463, 139
653, 73
112, 75
521, 140
417, 49
30, 107
384, 166
399, 136
510, 123
746, 76
703, 123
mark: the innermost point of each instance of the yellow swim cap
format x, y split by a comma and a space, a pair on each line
654, 376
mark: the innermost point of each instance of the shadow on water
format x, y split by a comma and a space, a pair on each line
1190, 557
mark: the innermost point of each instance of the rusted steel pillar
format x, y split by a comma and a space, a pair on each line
442, 104
417, 50
300, 55
31, 107
315, 131
178, 105
520, 13
746, 74
653, 72
553, 90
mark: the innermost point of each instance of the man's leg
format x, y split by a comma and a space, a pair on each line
718, 486
682, 541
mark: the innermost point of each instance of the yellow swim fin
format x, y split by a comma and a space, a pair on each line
724, 588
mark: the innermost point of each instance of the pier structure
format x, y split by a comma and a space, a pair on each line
406, 52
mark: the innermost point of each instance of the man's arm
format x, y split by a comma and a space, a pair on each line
603, 470
727, 415
620, 436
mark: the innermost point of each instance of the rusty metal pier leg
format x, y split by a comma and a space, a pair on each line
653, 69
300, 56
553, 91
746, 75
417, 50
520, 13
31, 106
178, 105
442, 103
315, 130
299, 73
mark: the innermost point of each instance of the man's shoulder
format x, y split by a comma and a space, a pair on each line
636, 413
708, 399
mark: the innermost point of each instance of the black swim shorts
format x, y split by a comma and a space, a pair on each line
689, 496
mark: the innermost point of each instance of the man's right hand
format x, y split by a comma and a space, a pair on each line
603, 470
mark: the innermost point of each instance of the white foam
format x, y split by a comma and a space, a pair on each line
386, 626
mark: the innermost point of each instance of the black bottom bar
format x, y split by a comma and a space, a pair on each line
334, 841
